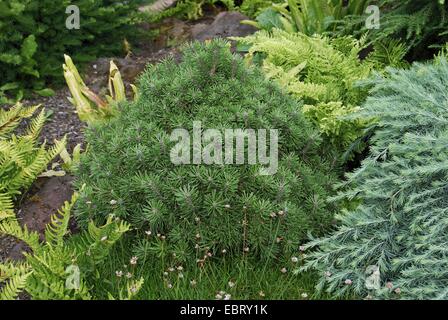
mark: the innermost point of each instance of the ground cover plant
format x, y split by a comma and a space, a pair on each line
218, 278
398, 229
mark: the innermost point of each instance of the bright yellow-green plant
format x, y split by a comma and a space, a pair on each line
21, 158
60, 268
90, 107
323, 73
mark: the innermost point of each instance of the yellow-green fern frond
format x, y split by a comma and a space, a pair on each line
57, 228
36, 125
57, 148
11, 227
6, 206
21, 159
10, 119
9, 269
14, 286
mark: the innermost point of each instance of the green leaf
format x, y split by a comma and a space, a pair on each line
45, 92
9, 86
29, 47
269, 19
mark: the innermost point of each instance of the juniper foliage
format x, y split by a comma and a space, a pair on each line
207, 208
400, 225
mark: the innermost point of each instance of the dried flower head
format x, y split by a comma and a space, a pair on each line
133, 261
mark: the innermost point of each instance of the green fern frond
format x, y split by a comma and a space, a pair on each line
21, 160
6, 207
14, 286
36, 125
57, 148
58, 226
11, 227
10, 119
10, 269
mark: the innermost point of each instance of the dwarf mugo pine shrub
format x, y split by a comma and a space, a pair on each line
400, 227
217, 208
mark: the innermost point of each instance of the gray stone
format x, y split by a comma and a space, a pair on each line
226, 24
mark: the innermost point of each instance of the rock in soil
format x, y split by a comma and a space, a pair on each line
226, 24
45, 198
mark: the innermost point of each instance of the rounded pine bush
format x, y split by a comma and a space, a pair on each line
201, 208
